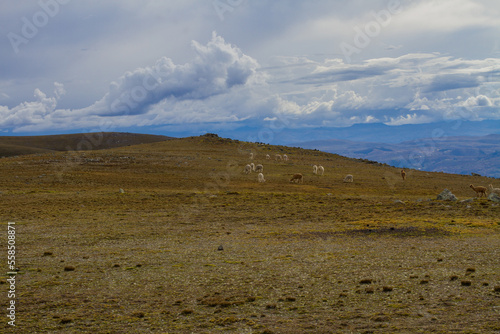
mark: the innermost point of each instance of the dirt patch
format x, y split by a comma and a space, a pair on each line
400, 232
403, 232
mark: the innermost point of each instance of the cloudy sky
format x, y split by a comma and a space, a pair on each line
192, 66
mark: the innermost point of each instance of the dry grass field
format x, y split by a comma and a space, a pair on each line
173, 237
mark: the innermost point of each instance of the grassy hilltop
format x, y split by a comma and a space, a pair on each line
126, 239
21, 145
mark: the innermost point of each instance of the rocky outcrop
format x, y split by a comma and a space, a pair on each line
446, 195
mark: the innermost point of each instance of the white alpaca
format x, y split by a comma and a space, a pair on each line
315, 169
297, 178
251, 156
285, 157
252, 165
278, 157
321, 170
494, 190
248, 169
260, 178
268, 157
259, 168
348, 178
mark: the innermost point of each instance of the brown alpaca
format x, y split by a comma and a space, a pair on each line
403, 174
479, 190
297, 178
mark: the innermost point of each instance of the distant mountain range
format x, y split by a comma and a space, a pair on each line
457, 154
277, 134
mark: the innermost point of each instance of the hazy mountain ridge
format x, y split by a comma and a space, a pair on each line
458, 154
279, 134
20, 145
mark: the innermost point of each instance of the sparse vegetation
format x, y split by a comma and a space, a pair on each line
322, 256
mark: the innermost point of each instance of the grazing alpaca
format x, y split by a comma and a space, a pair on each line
315, 169
268, 157
348, 178
494, 190
278, 157
479, 190
259, 168
321, 170
403, 174
248, 169
260, 178
297, 178
285, 157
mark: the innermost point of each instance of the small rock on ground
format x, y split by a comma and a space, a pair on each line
494, 197
446, 195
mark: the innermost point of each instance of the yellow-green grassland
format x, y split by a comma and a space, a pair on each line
174, 237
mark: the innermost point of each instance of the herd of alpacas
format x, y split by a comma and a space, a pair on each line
320, 170
296, 178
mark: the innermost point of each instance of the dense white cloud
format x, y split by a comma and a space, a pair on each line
31, 113
217, 68
414, 88
446, 16
478, 101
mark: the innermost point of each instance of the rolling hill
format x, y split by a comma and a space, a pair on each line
20, 145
